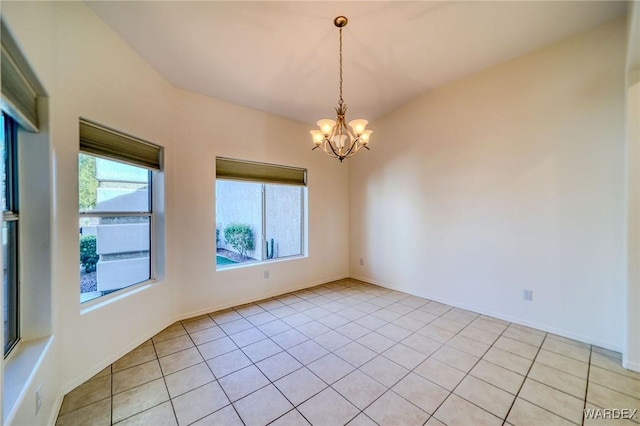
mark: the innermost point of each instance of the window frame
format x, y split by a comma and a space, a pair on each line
265, 175
303, 193
12, 215
107, 214
101, 142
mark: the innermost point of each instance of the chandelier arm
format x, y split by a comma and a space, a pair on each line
353, 140
351, 151
331, 154
333, 133
328, 140
332, 150
352, 136
350, 154
358, 148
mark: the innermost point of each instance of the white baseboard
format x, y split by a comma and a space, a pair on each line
104, 362
57, 404
211, 309
521, 321
630, 365
108, 360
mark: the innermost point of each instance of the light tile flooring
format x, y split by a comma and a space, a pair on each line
353, 353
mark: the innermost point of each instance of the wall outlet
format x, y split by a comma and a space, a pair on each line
528, 295
266, 274
361, 262
38, 399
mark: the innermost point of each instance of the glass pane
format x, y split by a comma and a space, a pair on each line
111, 186
10, 285
238, 222
283, 213
114, 254
3, 164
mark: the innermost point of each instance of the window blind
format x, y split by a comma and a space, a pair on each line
20, 87
103, 142
227, 168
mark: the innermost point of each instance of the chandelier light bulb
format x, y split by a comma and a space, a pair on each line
326, 126
317, 136
358, 125
364, 138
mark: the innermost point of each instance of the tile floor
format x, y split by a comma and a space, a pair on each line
352, 353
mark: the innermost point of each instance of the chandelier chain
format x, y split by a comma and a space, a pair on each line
341, 66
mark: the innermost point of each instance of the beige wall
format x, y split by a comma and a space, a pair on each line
90, 72
508, 180
631, 354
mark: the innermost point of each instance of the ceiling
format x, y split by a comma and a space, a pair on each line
282, 57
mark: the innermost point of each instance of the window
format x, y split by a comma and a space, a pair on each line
259, 212
115, 175
9, 176
19, 104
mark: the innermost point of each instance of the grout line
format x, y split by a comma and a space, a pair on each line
533, 361
138, 385
215, 377
617, 373
547, 385
295, 407
111, 396
586, 390
409, 371
164, 380
467, 372
333, 352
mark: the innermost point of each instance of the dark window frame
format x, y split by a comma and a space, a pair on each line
11, 219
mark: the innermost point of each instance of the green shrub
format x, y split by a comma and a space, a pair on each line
240, 237
88, 256
217, 237
88, 182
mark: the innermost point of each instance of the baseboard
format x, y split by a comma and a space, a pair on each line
374, 282
57, 404
630, 365
516, 320
99, 366
277, 293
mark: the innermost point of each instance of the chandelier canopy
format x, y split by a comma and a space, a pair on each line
334, 137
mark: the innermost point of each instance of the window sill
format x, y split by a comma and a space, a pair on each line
101, 301
20, 368
259, 262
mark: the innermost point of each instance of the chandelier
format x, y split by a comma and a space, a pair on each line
334, 137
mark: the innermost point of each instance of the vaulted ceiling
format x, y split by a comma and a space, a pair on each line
282, 57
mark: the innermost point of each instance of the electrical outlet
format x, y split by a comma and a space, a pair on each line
528, 295
38, 399
266, 274
361, 262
